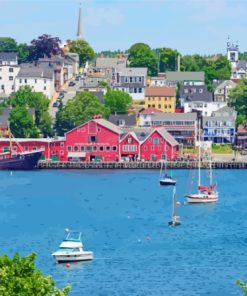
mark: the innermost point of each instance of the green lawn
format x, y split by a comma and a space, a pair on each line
222, 149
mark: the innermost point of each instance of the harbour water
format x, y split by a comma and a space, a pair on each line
123, 216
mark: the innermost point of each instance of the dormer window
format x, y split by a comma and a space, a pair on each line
121, 122
129, 140
200, 90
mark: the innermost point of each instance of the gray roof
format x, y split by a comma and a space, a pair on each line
8, 56
111, 62
167, 136
129, 120
242, 65
185, 76
225, 112
131, 71
196, 93
30, 70
108, 125
174, 116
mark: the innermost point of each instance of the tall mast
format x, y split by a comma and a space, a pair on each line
199, 155
173, 202
210, 167
10, 140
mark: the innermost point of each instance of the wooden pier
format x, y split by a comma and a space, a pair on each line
140, 165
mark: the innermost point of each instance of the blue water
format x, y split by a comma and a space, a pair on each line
123, 216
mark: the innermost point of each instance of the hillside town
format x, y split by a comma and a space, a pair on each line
164, 116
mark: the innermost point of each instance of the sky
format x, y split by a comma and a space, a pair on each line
190, 26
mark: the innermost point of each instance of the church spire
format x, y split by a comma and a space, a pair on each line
79, 30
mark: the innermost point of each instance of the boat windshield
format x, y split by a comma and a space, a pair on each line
69, 249
73, 236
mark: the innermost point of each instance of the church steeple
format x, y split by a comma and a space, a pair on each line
79, 30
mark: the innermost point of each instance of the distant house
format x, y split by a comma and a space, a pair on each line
123, 120
104, 63
145, 116
162, 98
157, 81
8, 71
204, 108
73, 59
185, 78
220, 126
132, 81
40, 79
242, 136
221, 93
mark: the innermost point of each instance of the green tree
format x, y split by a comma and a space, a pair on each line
25, 97
77, 111
20, 277
117, 101
141, 55
168, 59
21, 123
22, 53
83, 49
8, 44
238, 100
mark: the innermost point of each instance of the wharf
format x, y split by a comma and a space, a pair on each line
140, 165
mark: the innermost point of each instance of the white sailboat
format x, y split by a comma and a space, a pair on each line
205, 194
175, 219
166, 179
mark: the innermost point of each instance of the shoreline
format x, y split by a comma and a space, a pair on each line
141, 165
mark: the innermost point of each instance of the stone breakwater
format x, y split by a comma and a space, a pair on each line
140, 165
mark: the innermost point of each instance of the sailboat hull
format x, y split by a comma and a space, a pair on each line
202, 198
25, 161
168, 182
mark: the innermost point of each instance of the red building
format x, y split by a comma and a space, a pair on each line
101, 140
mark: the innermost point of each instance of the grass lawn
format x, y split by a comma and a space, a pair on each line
222, 149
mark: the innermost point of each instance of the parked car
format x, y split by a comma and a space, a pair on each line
243, 152
56, 104
78, 78
61, 95
72, 83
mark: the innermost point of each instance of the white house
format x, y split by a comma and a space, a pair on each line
8, 71
40, 79
206, 108
221, 93
132, 81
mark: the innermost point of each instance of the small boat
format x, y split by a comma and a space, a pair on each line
175, 219
71, 249
166, 179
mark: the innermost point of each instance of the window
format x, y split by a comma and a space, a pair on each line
76, 148
140, 79
44, 80
152, 148
25, 80
156, 141
20, 80
140, 90
83, 148
2, 87
61, 152
26, 148
159, 147
129, 147
99, 129
101, 148
129, 140
131, 79
35, 80
159, 106
44, 87
11, 70
34, 148
108, 148
94, 148
92, 139
0, 77
11, 78
114, 148
145, 148
69, 148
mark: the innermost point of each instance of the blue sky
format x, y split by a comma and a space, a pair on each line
190, 26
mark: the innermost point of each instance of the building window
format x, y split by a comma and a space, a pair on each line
44, 87
35, 80
69, 148
159, 147
101, 148
61, 152
140, 90
129, 140
156, 141
159, 106
11, 78
145, 148
76, 148
108, 148
129, 147
114, 148
20, 80
131, 79
25, 80
92, 139
2, 87
44, 80
152, 148
11, 70
34, 148
0, 77
99, 129
94, 148
83, 148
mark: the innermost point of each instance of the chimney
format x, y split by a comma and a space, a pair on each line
178, 63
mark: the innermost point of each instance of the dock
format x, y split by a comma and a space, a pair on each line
140, 165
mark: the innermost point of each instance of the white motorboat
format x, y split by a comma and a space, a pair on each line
175, 219
71, 249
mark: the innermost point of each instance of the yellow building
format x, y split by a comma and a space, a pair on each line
161, 97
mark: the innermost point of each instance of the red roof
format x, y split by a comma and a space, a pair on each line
150, 110
160, 91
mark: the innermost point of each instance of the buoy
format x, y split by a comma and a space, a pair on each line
68, 265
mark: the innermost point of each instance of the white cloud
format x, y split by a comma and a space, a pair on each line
102, 16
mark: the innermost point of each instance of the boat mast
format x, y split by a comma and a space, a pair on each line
199, 155
10, 140
174, 202
210, 168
